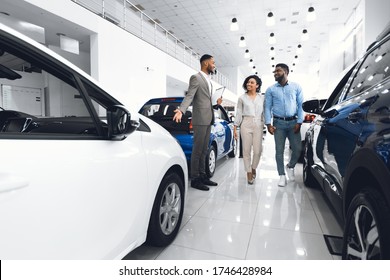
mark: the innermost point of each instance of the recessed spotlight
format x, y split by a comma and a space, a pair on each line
242, 42
311, 14
270, 19
234, 25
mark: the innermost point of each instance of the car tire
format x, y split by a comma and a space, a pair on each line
367, 222
233, 152
308, 177
211, 161
167, 211
301, 157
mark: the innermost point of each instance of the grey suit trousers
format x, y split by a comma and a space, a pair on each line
199, 150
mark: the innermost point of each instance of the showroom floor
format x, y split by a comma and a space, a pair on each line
261, 221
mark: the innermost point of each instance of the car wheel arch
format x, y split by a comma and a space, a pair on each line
366, 227
155, 236
364, 169
213, 146
177, 169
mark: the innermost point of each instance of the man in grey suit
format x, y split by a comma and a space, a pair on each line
199, 95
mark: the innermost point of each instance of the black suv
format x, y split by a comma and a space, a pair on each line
347, 152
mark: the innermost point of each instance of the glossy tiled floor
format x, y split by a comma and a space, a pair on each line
261, 221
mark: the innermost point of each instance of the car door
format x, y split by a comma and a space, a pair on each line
221, 131
325, 147
228, 126
348, 119
344, 121
66, 191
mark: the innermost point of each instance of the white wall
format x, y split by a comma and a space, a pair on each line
28, 80
81, 60
376, 18
332, 56
129, 68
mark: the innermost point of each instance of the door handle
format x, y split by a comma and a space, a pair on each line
9, 182
354, 116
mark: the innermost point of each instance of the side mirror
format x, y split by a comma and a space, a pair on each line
330, 114
119, 123
312, 106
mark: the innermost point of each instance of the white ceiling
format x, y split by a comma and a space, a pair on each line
204, 25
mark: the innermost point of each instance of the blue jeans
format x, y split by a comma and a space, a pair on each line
285, 129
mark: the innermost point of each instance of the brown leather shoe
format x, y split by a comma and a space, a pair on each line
197, 184
253, 173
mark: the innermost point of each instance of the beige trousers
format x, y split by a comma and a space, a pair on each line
251, 130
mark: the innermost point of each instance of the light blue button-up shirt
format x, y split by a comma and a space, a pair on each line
283, 101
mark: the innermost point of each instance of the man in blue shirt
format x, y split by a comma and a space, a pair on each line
283, 103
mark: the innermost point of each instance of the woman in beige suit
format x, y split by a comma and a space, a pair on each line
249, 117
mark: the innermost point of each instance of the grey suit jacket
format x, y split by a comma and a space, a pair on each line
199, 96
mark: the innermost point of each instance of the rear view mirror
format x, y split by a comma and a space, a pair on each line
312, 106
7, 73
119, 123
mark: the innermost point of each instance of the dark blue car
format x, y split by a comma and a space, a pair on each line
222, 143
347, 152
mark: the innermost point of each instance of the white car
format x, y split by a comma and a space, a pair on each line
308, 118
80, 178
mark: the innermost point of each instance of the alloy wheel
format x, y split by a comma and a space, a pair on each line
170, 208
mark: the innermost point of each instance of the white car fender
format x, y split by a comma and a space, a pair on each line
167, 154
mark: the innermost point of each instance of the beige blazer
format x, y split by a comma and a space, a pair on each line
199, 96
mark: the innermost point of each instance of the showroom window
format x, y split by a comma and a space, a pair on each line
339, 90
374, 69
38, 98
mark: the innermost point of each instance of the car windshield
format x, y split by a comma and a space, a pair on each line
162, 110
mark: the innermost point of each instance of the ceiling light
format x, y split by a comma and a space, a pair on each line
295, 59
272, 52
305, 35
247, 54
272, 39
299, 49
270, 19
311, 14
234, 25
250, 62
242, 42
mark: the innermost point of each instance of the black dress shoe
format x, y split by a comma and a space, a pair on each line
208, 182
197, 184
